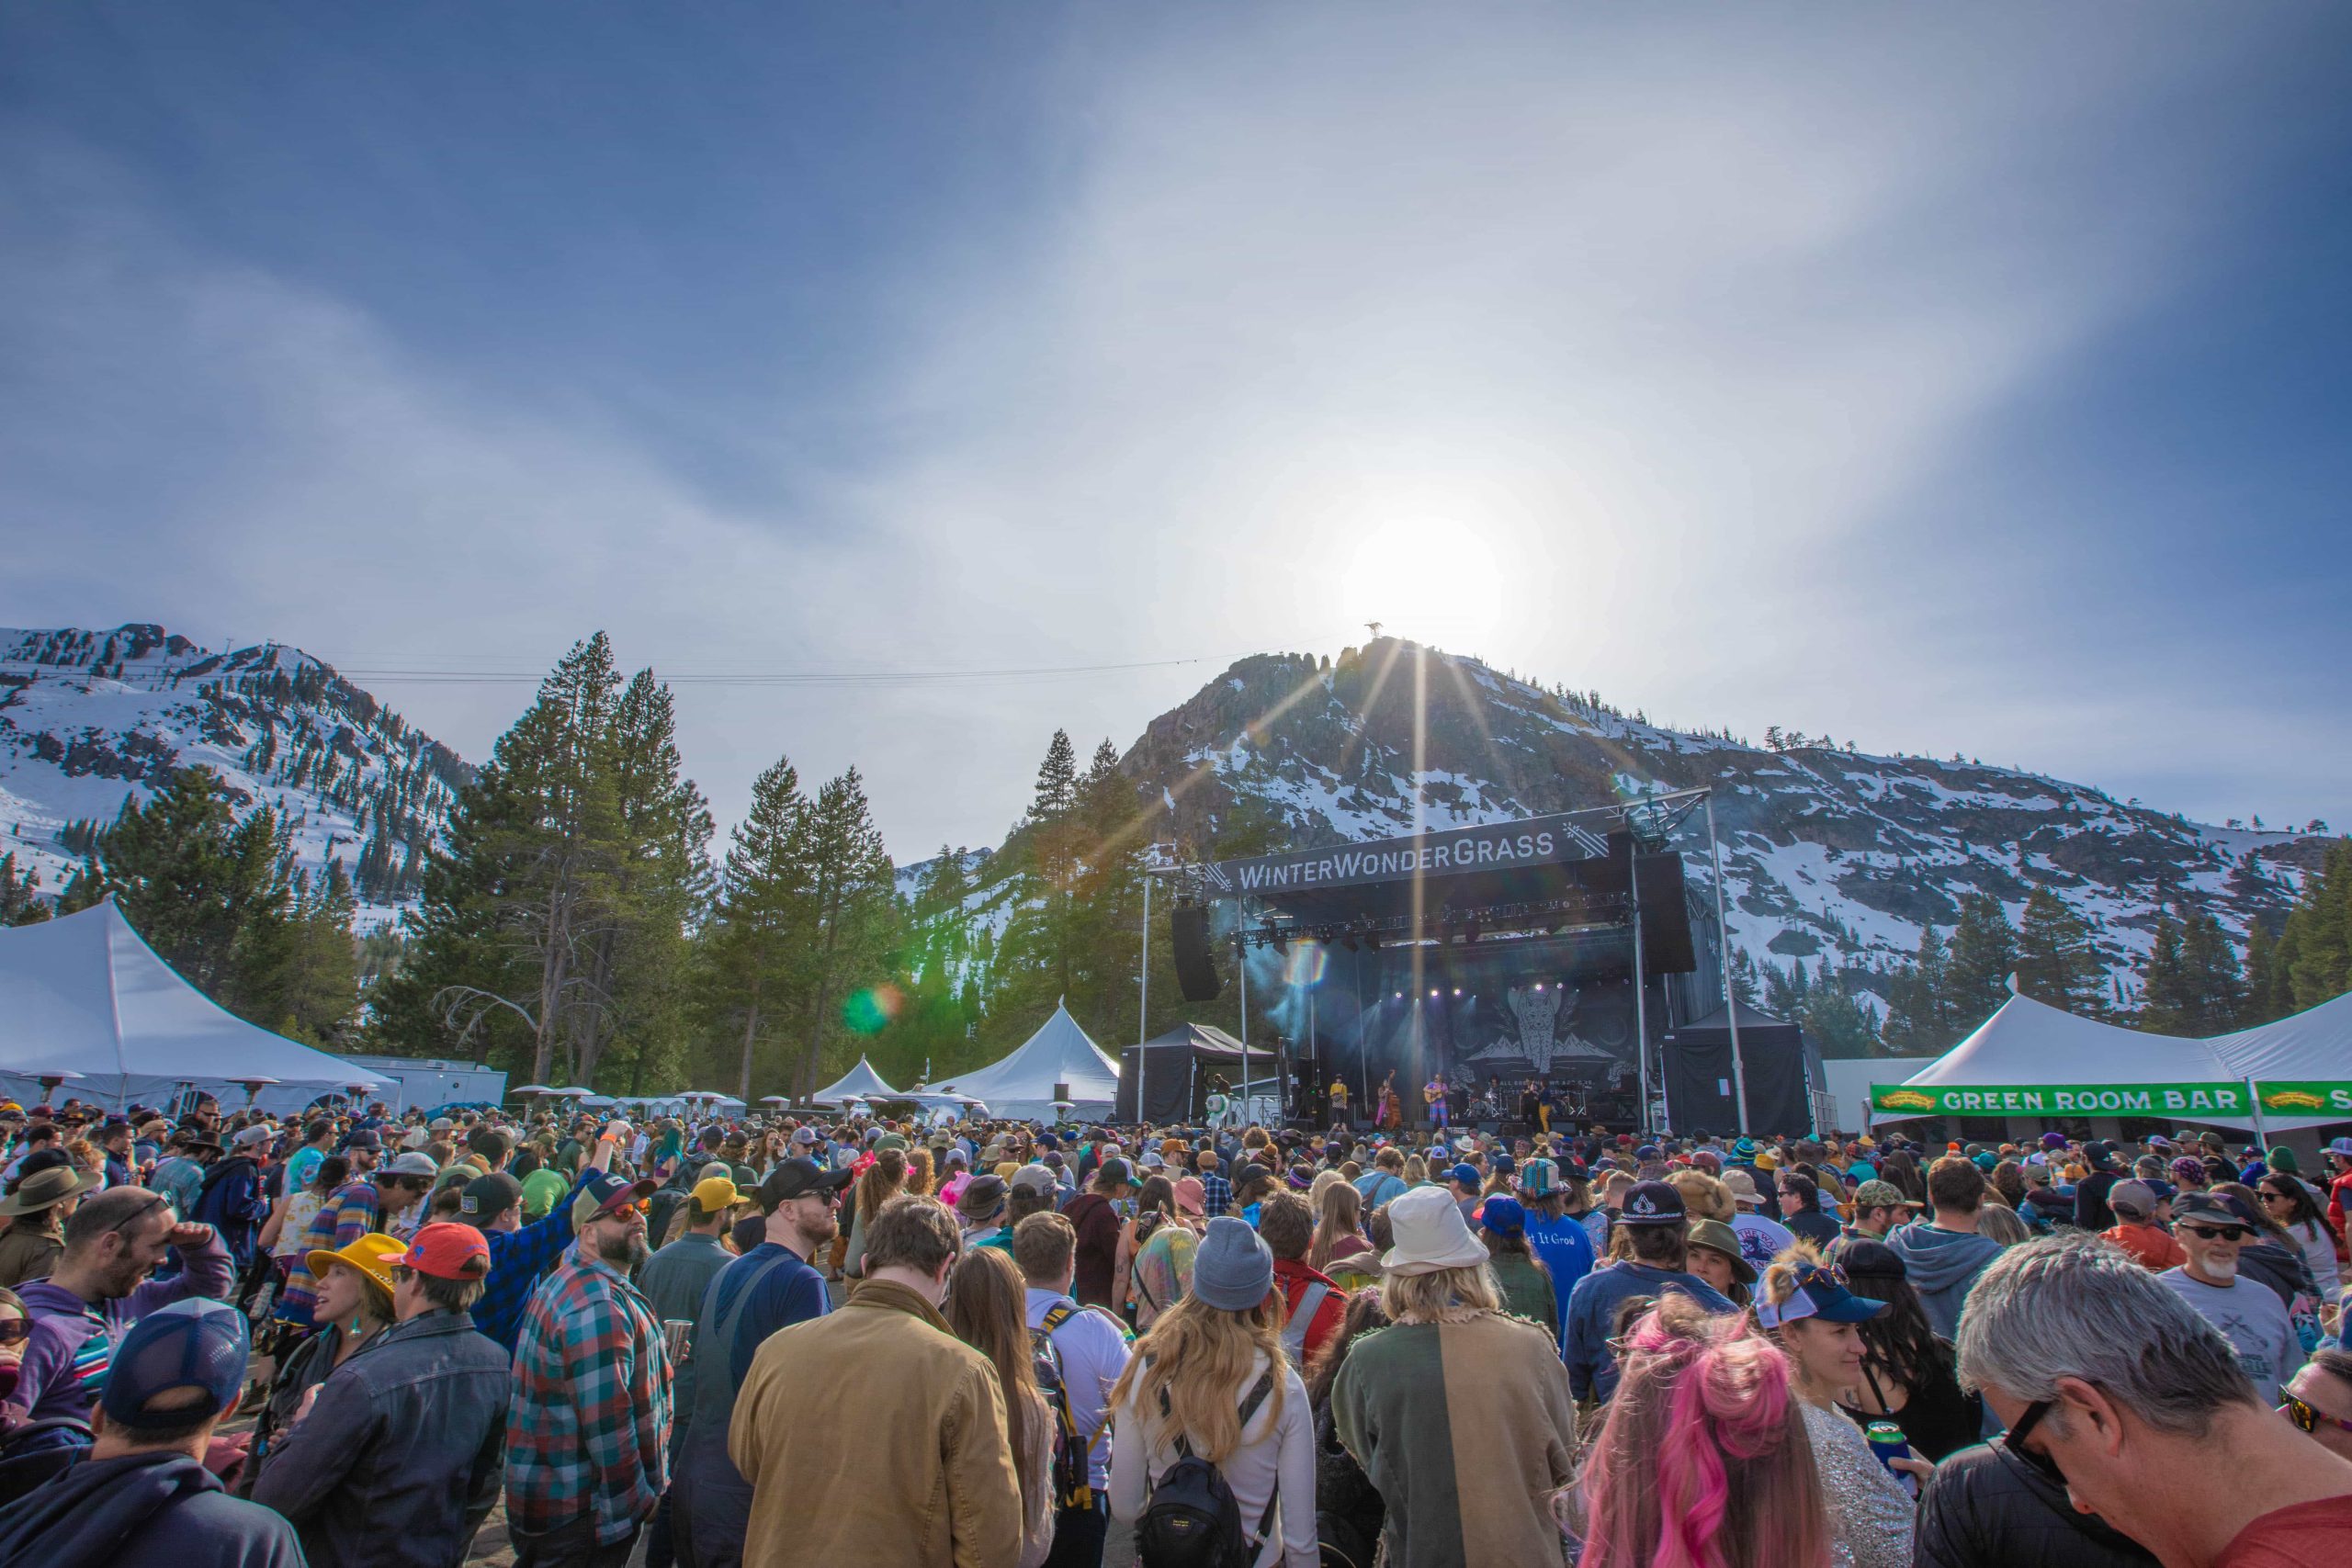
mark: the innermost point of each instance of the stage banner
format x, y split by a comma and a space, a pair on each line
2063, 1100
2305, 1098
1499, 846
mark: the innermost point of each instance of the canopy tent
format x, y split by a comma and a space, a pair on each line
861, 1082
83, 993
1021, 1087
2310, 1046
1779, 1067
1173, 1069
2027, 1044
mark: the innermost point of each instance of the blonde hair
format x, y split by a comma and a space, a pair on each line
1421, 1298
1201, 1358
1416, 1172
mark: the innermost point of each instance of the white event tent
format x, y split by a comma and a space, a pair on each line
82, 994
2027, 1044
861, 1082
1021, 1087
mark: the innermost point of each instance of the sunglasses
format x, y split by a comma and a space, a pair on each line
627, 1211
16, 1330
2214, 1233
160, 1204
2305, 1418
2014, 1440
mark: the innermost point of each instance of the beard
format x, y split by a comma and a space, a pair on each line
818, 1232
2221, 1268
625, 1251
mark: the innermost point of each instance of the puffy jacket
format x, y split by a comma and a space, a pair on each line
1987, 1508
400, 1459
151, 1509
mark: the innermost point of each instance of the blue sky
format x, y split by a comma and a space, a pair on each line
1946, 381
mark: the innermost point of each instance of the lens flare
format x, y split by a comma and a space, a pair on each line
872, 1010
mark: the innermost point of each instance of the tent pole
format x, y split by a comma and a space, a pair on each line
2253, 1104
1641, 1005
1142, 1005
1722, 939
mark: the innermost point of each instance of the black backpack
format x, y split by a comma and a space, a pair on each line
1192, 1521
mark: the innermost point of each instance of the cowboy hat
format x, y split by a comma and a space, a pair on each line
47, 1187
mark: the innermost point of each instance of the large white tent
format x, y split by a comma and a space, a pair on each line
1021, 1087
2030, 1045
82, 994
861, 1082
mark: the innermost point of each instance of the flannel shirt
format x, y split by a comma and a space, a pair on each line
518, 1259
343, 1218
588, 1430
1217, 1196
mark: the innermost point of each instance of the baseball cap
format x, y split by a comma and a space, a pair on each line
1031, 1177
1743, 1187
799, 1178
412, 1165
2340, 1147
716, 1194
487, 1197
1503, 1215
2210, 1209
1467, 1175
199, 1344
1651, 1203
2134, 1198
607, 1192
982, 1196
365, 1138
257, 1134
803, 1136
1819, 1293
1880, 1194
448, 1251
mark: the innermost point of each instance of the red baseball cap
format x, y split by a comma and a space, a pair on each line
448, 1251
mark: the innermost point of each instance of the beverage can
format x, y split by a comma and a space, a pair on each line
1888, 1443
674, 1332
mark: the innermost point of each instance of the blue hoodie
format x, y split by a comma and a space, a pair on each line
155, 1509
1941, 1265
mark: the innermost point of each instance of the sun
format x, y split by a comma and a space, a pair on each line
1423, 580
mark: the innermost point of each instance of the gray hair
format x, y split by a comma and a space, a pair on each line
2075, 1306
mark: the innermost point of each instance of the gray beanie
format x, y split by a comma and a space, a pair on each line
1233, 1268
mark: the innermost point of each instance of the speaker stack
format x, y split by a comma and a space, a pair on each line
1196, 975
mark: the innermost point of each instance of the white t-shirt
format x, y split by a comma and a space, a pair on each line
1761, 1240
2251, 1318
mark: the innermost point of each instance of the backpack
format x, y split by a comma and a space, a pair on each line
1071, 1488
1191, 1519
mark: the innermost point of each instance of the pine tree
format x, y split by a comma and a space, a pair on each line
1840, 1025
20, 901
2215, 986
2317, 943
754, 944
853, 906
2055, 960
1056, 794
1984, 956
2166, 998
1920, 1018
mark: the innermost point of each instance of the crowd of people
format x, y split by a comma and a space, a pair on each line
348, 1339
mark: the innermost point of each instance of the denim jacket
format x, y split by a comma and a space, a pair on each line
400, 1460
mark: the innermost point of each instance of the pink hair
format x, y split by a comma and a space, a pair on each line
1701, 1462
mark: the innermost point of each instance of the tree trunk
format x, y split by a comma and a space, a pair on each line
751, 1034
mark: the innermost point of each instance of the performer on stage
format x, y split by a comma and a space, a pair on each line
1531, 1101
1547, 1099
1340, 1102
1434, 1093
1392, 1107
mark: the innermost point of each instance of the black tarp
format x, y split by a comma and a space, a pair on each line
1177, 1075
1778, 1066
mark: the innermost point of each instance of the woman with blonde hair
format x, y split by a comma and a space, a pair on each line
1459, 1412
1210, 1382
1416, 1171
1702, 1457
1811, 1316
883, 1180
1339, 1248
985, 1306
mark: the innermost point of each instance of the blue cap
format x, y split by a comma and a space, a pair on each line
1503, 1215
1647, 1151
1862, 1171
1819, 1293
198, 1344
1467, 1175
1503, 1164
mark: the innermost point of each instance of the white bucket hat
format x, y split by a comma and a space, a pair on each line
1430, 1234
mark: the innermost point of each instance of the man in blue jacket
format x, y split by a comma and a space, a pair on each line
142, 1498
1653, 1223
397, 1457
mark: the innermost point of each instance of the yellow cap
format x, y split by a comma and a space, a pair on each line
715, 1194
373, 1255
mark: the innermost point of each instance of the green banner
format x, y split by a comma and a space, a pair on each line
2307, 1097
2187, 1100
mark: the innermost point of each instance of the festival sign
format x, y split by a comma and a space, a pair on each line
2062, 1100
2305, 1097
1499, 846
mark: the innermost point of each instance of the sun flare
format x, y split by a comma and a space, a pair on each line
1423, 579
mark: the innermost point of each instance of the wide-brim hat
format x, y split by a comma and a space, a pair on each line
47, 1188
373, 1255
1430, 1233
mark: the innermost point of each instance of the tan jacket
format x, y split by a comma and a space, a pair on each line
31, 1249
874, 1435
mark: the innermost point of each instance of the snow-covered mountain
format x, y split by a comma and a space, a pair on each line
89, 717
1828, 853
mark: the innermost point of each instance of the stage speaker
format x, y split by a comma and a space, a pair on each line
1665, 915
1196, 973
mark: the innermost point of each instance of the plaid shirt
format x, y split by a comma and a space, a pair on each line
518, 1258
589, 1428
343, 1218
1216, 1195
